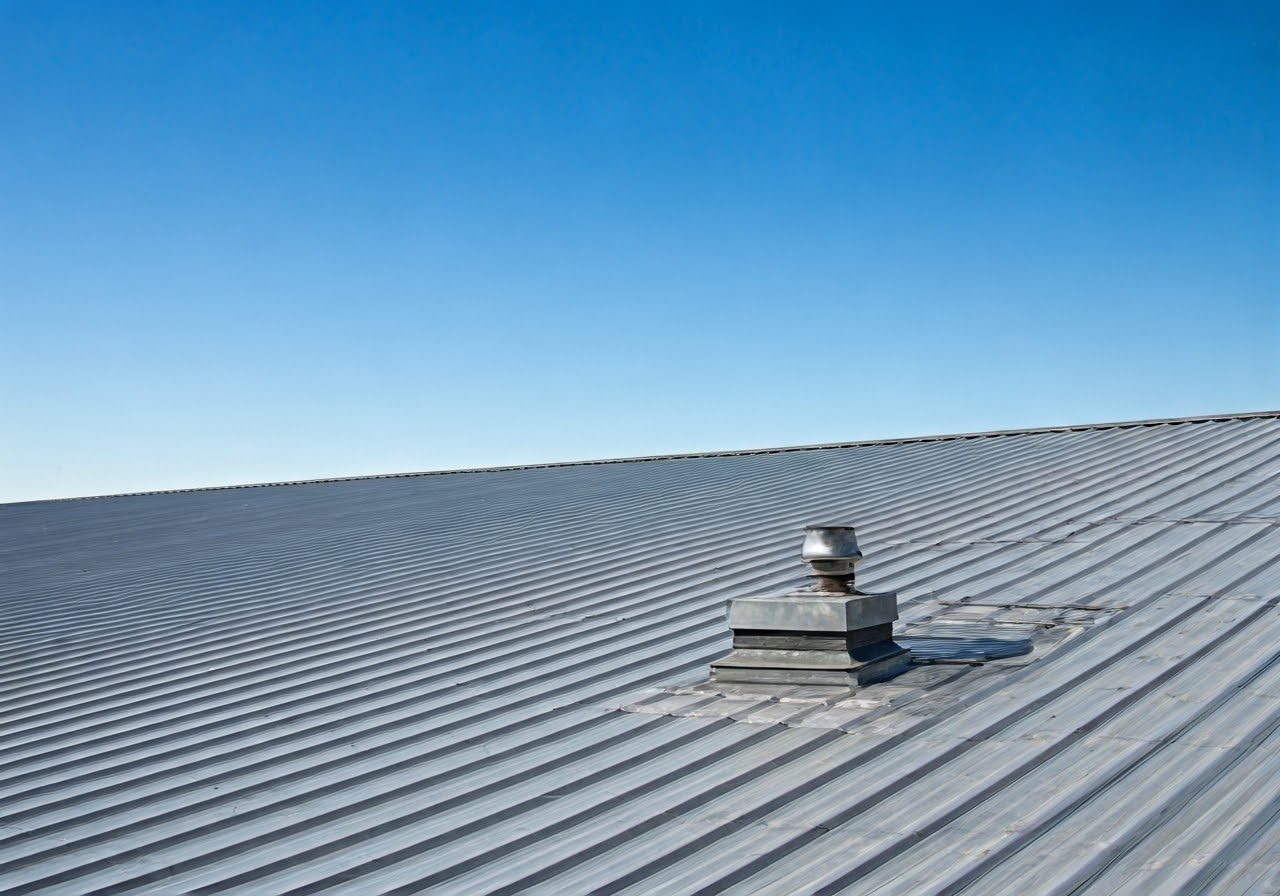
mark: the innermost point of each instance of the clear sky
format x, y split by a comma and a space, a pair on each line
245, 241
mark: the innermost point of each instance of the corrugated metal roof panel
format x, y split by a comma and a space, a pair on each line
309, 689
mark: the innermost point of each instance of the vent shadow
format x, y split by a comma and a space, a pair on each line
961, 643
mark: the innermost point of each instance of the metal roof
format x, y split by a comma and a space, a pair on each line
481, 683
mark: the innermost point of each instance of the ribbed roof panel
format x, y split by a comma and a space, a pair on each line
416, 684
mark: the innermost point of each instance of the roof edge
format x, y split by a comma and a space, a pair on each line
789, 449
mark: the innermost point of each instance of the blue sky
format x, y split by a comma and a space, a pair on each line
243, 242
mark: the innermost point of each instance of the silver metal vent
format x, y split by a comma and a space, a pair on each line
831, 635
831, 552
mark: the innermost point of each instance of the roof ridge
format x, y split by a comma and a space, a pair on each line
789, 449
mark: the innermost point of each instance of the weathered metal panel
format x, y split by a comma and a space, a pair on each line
307, 688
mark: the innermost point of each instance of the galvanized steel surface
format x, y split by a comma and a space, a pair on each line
305, 689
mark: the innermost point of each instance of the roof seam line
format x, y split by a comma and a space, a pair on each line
747, 452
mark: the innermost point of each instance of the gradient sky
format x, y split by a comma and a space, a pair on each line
244, 242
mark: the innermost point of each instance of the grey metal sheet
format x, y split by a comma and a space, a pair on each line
307, 688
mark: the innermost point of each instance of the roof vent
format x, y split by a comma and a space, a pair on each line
830, 635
